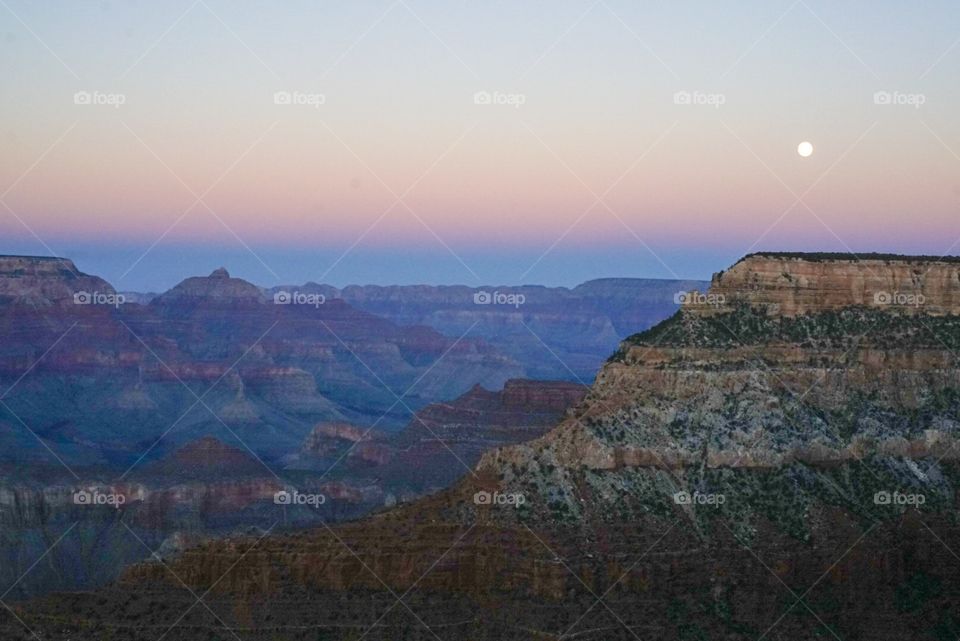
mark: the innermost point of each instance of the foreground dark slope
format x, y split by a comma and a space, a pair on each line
776, 461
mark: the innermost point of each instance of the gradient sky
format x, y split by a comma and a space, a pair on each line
495, 194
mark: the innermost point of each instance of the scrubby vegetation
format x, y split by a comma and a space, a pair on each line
841, 329
818, 257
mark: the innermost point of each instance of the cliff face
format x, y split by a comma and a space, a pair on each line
201, 491
541, 396
522, 408
216, 287
38, 281
788, 285
322, 440
760, 404
97, 537
786, 361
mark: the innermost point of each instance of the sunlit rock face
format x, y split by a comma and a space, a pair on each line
794, 284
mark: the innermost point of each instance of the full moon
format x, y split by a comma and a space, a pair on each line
805, 149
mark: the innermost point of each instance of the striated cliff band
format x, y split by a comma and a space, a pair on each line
778, 460
790, 284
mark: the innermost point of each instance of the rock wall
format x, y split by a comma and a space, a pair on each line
788, 285
44, 281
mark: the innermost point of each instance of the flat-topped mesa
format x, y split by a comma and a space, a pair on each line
792, 284
34, 265
45, 280
541, 396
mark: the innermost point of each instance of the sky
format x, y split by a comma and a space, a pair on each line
494, 142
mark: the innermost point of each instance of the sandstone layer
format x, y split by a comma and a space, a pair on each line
793, 284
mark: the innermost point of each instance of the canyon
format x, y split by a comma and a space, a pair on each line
764, 470
195, 406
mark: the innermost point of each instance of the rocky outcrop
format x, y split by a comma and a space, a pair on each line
206, 457
317, 441
40, 281
363, 444
541, 396
216, 287
521, 410
775, 388
780, 362
793, 284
